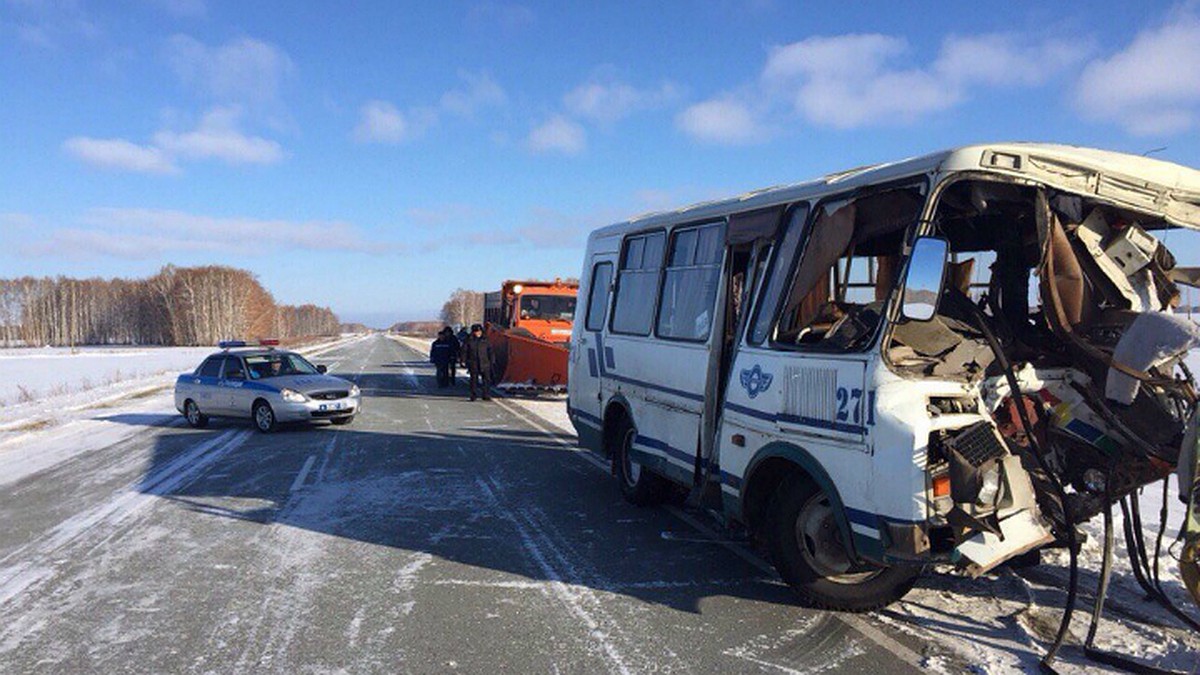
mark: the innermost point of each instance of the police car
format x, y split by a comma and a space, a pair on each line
266, 385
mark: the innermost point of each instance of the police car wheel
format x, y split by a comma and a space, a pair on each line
639, 485
264, 417
806, 547
195, 418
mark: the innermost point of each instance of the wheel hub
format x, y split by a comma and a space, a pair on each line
632, 470
820, 542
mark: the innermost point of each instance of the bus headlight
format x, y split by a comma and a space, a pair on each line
292, 396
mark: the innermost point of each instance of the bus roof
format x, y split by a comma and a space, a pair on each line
1135, 181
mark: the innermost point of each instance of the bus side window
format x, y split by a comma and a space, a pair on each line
689, 289
847, 269
598, 296
637, 283
781, 269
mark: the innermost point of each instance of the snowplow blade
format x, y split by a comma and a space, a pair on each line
534, 365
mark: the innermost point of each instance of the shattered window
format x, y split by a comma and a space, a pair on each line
848, 268
781, 268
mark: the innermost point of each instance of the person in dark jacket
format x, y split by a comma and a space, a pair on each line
479, 362
444, 355
462, 336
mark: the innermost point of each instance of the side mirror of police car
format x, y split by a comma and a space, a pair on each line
926, 273
322, 369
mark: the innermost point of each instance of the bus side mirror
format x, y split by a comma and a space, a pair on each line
926, 271
322, 369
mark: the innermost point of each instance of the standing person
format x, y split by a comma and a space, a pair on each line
443, 353
479, 362
462, 336
455, 355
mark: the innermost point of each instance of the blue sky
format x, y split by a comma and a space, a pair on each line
374, 157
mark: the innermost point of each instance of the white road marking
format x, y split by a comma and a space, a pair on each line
569, 596
859, 624
296, 484
328, 452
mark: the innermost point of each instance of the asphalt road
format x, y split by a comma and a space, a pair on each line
432, 534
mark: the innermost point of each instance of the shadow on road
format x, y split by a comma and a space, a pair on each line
465, 482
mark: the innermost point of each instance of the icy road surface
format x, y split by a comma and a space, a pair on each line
433, 534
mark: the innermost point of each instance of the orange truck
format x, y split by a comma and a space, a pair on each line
529, 328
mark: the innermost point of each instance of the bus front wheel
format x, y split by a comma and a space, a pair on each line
639, 485
807, 549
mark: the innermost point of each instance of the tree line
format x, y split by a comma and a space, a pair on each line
463, 308
181, 306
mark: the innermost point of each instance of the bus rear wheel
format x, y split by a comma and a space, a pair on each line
639, 485
807, 549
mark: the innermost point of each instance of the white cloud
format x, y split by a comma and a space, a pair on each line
134, 233
607, 102
722, 121
382, 122
218, 137
849, 81
50, 25
120, 154
1152, 87
863, 79
242, 70
557, 134
479, 91
1005, 59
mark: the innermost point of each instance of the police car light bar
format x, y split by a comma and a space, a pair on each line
230, 344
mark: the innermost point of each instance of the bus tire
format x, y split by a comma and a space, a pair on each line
806, 548
640, 486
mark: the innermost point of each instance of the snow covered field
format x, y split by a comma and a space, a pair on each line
43, 385
38, 374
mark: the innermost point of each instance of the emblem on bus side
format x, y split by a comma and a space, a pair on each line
755, 381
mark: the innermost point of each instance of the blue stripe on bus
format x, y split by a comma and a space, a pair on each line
587, 416
592, 362
797, 419
666, 448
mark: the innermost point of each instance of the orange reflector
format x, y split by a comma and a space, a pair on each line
941, 486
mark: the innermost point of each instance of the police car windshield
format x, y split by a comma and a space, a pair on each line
266, 366
548, 307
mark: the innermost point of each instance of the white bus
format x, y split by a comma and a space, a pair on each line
895, 365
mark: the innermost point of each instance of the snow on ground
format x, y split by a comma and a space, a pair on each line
32, 375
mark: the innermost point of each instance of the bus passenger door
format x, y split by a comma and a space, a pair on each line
587, 360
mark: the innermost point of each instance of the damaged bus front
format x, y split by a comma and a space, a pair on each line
1045, 293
